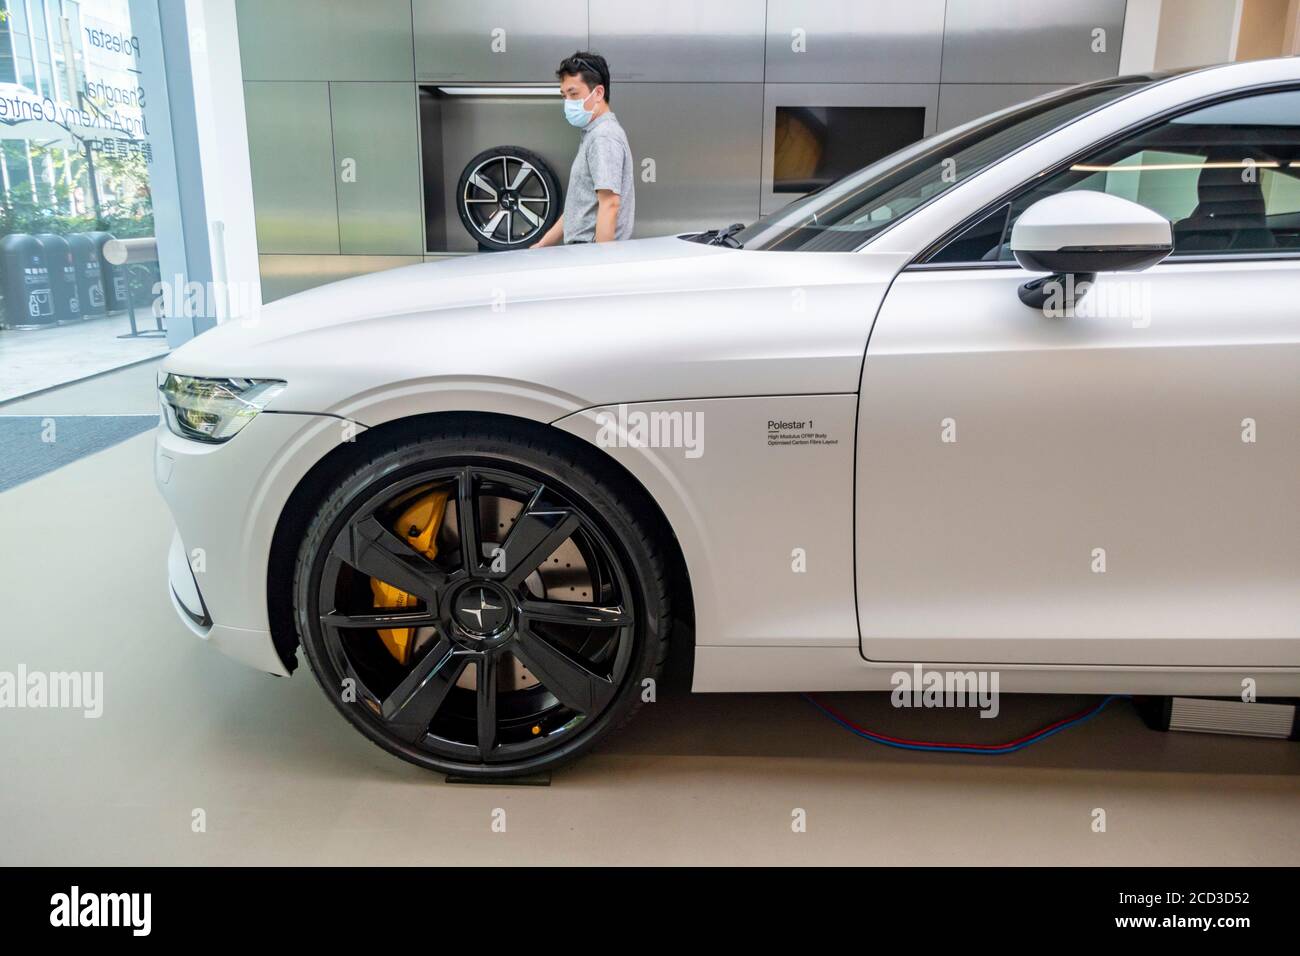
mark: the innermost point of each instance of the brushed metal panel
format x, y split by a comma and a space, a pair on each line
431, 168
704, 142
1256, 719
681, 40
471, 124
961, 102
1030, 41
290, 149
285, 275
454, 41
375, 126
924, 95
852, 41
325, 39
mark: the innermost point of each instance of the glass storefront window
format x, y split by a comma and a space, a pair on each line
78, 249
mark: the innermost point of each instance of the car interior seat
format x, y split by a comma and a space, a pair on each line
1229, 213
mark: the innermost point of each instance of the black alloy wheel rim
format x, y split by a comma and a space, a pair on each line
481, 605
507, 200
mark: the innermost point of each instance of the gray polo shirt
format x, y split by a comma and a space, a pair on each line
604, 161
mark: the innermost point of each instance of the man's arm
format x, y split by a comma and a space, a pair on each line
606, 214
555, 235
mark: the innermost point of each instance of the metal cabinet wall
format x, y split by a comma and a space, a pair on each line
377, 168
854, 41
1031, 41
335, 167
697, 86
697, 153
677, 41
496, 41
325, 39
291, 149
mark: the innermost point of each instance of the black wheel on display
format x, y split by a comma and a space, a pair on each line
508, 197
479, 604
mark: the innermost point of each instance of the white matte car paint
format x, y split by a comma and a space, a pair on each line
1084, 217
773, 501
1119, 432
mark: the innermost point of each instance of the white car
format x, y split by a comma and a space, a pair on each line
865, 432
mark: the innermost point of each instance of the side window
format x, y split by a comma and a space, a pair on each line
1227, 176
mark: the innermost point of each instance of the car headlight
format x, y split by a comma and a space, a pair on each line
213, 409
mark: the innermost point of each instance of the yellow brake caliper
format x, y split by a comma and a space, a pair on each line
418, 525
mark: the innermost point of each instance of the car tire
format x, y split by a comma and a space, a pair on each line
508, 197
485, 472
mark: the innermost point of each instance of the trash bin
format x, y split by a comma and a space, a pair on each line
29, 303
114, 276
63, 277
90, 275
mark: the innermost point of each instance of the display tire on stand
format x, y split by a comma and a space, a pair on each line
440, 559
508, 197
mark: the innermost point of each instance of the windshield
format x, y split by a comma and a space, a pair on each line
844, 215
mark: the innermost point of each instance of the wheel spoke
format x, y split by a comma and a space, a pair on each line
471, 552
414, 702
562, 612
521, 177
381, 619
485, 678
484, 185
489, 228
538, 531
528, 214
378, 553
571, 682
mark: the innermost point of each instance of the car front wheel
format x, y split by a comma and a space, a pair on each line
480, 604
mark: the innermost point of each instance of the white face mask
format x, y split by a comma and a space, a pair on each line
577, 114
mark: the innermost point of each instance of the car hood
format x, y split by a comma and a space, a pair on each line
581, 325
471, 281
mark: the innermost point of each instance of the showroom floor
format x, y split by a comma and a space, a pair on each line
276, 776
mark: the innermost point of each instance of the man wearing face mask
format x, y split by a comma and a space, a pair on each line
600, 203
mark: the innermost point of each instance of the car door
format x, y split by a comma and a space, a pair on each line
1114, 485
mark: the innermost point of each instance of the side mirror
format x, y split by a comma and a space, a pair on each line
1084, 232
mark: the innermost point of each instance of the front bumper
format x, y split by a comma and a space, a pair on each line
226, 501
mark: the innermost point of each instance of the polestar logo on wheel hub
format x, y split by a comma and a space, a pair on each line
482, 610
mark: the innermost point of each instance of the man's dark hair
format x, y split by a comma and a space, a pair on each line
590, 66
